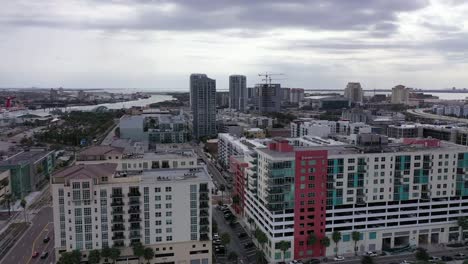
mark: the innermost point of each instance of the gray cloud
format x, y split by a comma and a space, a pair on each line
376, 16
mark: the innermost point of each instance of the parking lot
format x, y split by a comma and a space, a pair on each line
240, 241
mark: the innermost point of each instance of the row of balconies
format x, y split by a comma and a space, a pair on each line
122, 203
121, 195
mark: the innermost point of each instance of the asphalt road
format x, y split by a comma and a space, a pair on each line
218, 178
420, 112
236, 244
32, 241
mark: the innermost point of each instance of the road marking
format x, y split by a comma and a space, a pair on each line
34, 243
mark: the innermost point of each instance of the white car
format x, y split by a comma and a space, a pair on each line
295, 262
406, 262
338, 258
371, 254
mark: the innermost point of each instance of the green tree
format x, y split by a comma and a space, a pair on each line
233, 256
312, 239
367, 260
114, 253
284, 246
325, 242
465, 262
421, 254
106, 252
356, 236
225, 238
148, 254
94, 256
336, 237
260, 257
261, 237
138, 250
462, 224
23, 205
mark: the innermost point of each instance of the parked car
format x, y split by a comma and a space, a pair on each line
249, 245
447, 258
338, 258
295, 262
460, 256
46, 239
216, 242
313, 261
406, 262
371, 254
215, 236
44, 255
220, 249
35, 254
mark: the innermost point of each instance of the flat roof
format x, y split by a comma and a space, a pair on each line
167, 175
25, 157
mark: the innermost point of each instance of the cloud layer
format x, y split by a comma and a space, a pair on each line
157, 43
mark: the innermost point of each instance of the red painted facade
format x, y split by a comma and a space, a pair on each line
310, 202
238, 167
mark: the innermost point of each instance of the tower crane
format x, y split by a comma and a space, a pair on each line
267, 77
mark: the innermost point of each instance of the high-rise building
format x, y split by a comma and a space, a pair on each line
203, 104
269, 97
296, 96
400, 94
237, 92
396, 195
168, 210
353, 92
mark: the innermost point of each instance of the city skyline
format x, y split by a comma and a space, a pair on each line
317, 44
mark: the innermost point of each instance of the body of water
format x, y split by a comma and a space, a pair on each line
442, 96
120, 105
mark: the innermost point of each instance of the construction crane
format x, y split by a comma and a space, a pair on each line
267, 77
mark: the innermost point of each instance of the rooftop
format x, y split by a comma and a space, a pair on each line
87, 171
165, 175
100, 150
168, 154
25, 157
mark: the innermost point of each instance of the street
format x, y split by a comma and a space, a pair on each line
31, 241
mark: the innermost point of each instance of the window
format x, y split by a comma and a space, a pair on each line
346, 238
157, 198
157, 222
372, 235
158, 239
157, 214
169, 238
168, 230
158, 231
168, 189
168, 206
157, 206
168, 197
168, 221
168, 214
157, 189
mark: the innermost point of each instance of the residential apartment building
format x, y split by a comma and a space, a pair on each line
452, 133
203, 105
400, 94
29, 170
396, 195
169, 210
354, 93
296, 96
238, 92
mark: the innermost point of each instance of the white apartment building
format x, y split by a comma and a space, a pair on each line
400, 94
397, 195
169, 210
354, 93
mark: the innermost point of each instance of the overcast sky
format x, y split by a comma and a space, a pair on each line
158, 43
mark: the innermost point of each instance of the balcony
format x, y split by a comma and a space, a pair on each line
118, 228
117, 203
204, 213
204, 205
204, 237
134, 202
117, 220
204, 229
135, 227
134, 219
204, 197
134, 194
204, 188
134, 235
118, 237
204, 221
134, 210
117, 195
117, 212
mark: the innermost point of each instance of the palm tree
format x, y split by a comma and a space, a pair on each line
325, 242
225, 238
114, 253
312, 239
356, 236
94, 256
105, 252
284, 246
148, 254
336, 237
138, 250
462, 224
23, 204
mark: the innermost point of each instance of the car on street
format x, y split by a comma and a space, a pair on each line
313, 261
249, 245
434, 259
216, 242
46, 239
220, 249
371, 254
35, 254
447, 258
44, 255
338, 258
295, 262
406, 262
215, 236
